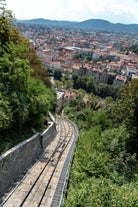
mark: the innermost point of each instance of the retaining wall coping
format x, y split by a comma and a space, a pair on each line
49, 125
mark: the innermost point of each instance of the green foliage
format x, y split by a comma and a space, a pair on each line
102, 192
125, 110
127, 104
92, 86
114, 140
77, 111
39, 102
57, 74
39, 70
14, 75
100, 119
101, 175
134, 48
6, 115
66, 81
103, 172
82, 110
84, 57
25, 88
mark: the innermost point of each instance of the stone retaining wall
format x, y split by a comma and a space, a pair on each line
47, 134
15, 162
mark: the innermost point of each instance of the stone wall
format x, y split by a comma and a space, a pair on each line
47, 134
15, 162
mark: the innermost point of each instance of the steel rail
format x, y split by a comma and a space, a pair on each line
59, 144
66, 131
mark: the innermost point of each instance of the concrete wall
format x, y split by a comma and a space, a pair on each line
15, 162
47, 134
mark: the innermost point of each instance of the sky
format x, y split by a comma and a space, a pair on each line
115, 11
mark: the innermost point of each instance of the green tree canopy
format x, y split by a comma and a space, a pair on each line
25, 88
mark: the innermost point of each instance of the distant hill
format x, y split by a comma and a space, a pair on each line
91, 24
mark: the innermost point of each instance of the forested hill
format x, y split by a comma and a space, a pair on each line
92, 24
25, 89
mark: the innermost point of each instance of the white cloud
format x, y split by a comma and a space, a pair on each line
124, 11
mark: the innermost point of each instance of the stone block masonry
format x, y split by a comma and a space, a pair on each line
47, 134
15, 162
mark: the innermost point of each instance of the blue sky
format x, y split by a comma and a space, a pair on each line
122, 11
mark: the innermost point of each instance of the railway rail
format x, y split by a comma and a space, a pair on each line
38, 186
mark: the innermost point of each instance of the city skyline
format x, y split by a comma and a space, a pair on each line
115, 11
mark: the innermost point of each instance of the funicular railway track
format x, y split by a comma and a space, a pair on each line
38, 186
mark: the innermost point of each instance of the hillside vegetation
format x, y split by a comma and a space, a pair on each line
105, 168
26, 94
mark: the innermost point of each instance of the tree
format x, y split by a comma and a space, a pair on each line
25, 85
6, 115
14, 74
57, 74
134, 48
125, 110
7, 31
101, 119
39, 102
126, 106
39, 70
